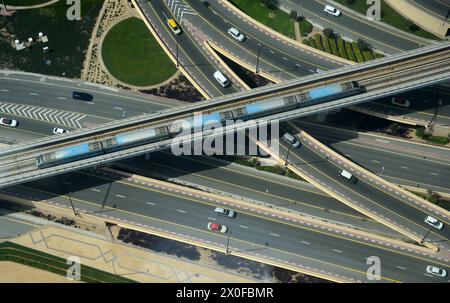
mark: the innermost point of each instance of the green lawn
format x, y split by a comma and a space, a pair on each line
390, 16
133, 56
275, 19
23, 2
34, 258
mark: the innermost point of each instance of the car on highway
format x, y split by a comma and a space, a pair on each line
236, 34
400, 101
221, 79
348, 176
434, 222
436, 271
225, 212
82, 96
176, 29
8, 122
291, 140
332, 11
59, 131
217, 227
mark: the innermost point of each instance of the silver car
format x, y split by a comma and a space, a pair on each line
225, 212
436, 271
434, 222
236, 34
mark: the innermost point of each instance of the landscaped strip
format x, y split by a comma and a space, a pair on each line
16, 253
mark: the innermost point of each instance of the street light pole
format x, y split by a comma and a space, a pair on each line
228, 242
436, 108
257, 60
71, 203
287, 156
178, 64
429, 230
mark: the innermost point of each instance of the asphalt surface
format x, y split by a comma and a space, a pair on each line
282, 60
438, 8
13, 225
398, 161
366, 193
199, 65
353, 25
249, 232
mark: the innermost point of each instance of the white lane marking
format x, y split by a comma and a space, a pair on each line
120, 196
119, 108
275, 235
62, 98
97, 190
428, 275
405, 167
435, 174
181, 211
337, 250
5, 90
307, 243
375, 161
214, 219
150, 203
34, 94
381, 140
401, 267
67, 183
243, 226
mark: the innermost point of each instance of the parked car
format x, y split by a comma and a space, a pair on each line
225, 212
82, 96
436, 271
332, 11
291, 139
348, 176
217, 227
59, 131
8, 122
434, 222
400, 101
236, 34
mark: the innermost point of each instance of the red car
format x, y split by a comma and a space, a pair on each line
217, 227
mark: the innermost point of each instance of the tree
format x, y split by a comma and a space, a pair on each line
293, 15
270, 4
328, 32
363, 45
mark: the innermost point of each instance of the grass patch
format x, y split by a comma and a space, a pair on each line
357, 52
275, 19
389, 16
34, 258
68, 40
24, 2
421, 133
133, 56
305, 27
350, 53
341, 48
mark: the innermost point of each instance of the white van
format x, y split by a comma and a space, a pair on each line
348, 176
221, 79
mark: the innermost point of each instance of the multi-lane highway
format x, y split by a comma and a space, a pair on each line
251, 233
438, 8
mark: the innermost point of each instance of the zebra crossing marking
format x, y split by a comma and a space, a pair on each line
179, 8
65, 118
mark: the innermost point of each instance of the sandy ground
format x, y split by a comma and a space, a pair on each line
19, 273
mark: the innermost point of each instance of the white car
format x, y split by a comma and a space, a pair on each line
291, 139
434, 222
225, 212
236, 34
59, 131
331, 10
436, 271
8, 122
400, 101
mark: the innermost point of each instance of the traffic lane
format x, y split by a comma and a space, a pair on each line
371, 197
413, 168
270, 44
11, 226
272, 59
10, 135
190, 55
439, 8
353, 26
104, 104
251, 228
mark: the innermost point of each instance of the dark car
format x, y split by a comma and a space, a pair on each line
82, 96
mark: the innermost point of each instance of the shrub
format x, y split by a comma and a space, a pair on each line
305, 27
326, 45
270, 4
341, 48
318, 40
420, 130
312, 43
305, 41
367, 55
358, 54
348, 48
293, 15
363, 45
333, 46
438, 139
328, 32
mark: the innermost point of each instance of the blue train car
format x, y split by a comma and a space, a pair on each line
264, 108
69, 154
328, 93
199, 122
135, 138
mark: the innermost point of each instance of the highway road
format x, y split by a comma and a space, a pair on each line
365, 193
438, 8
191, 56
353, 25
282, 60
399, 161
251, 233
